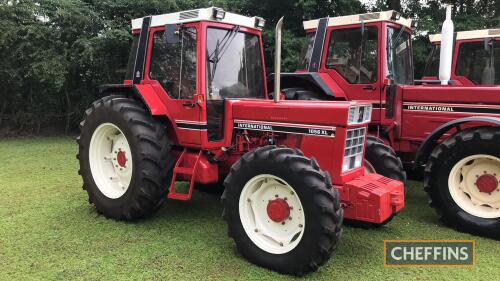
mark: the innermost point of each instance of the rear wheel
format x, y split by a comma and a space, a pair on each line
124, 158
281, 210
462, 180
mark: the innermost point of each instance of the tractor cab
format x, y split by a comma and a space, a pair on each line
354, 57
197, 59
476, 58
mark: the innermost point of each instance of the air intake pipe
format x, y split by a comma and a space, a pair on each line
446, 54
277, 61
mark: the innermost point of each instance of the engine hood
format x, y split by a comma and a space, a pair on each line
323, 113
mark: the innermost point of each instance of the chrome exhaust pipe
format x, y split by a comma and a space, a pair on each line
277, 60
446, 53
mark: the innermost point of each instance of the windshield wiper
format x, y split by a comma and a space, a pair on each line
221, 47
396, 40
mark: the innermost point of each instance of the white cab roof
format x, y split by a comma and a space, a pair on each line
205, 14
356, 19
472, 34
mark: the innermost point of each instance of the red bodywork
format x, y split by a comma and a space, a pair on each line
369, 198
418, 109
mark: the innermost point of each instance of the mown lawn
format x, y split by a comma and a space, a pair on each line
49, 231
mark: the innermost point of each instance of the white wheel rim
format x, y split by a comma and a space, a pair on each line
112, 174
369, 169
270, 236
467, 191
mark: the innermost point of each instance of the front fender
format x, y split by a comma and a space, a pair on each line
430, 142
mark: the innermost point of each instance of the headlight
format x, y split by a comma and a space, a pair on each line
395, 16
359, 114
218, 13
354, 148
260, 22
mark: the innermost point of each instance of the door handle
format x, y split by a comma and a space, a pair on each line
189, 104
369, 88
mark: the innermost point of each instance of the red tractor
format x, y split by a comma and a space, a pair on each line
194, 107
450, 133
476, 58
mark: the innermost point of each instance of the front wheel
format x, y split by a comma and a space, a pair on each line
462, 180
381, 159
281, 210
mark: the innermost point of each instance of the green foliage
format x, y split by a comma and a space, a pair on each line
53, 53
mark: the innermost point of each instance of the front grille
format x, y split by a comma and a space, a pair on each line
354, 148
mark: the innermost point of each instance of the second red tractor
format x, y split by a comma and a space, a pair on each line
450, 133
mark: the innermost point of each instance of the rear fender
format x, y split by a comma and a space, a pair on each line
145, 93
430, 142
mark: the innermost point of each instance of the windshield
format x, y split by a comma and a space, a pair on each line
399, 56
432, 65
307, 48
234, 65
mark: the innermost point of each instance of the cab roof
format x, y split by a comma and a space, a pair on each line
472, 34
204, 14
391, 16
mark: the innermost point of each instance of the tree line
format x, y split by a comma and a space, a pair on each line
53, 53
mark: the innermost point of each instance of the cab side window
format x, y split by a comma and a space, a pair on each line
174, 65
354, 55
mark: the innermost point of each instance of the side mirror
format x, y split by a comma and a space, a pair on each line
172, 33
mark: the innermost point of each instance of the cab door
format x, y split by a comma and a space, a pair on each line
173, 72
352, 60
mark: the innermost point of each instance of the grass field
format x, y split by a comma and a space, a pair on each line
49, 231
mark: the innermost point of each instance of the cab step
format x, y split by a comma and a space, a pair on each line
185, 168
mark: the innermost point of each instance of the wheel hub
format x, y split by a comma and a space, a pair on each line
111, 160
278, 210
271, 213
121, 158
473, 185
486, 183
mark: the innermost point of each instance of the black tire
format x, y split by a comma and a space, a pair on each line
480, 140
319, 200
384, 160
150, 148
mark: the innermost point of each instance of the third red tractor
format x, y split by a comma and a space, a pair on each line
476, 58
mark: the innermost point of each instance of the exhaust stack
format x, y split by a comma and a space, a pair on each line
446, 54
277, 61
